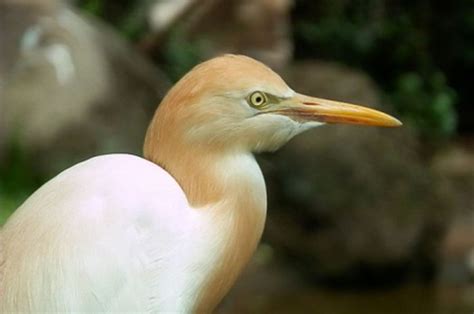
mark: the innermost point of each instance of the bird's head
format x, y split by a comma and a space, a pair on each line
237, 103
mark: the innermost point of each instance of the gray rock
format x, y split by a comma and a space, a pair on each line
72, 88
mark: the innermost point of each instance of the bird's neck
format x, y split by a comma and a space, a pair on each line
230, 189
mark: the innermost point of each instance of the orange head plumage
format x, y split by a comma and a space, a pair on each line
236, 102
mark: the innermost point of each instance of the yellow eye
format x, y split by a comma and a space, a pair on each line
257, 99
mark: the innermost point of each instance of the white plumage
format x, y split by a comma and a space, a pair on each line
103, 244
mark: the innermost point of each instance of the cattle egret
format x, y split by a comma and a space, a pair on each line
169, 232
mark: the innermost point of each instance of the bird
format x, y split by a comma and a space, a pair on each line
172, 230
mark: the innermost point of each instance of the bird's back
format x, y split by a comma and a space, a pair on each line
91, 239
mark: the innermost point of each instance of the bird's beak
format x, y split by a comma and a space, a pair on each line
305, 108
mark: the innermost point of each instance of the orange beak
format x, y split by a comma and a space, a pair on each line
305, 108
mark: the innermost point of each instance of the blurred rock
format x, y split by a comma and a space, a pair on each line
257, 28
16, 16
353, 205
71, 87
11, 29
164, 13
456, 164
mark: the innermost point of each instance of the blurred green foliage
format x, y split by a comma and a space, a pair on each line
177, 55
180, 55
128, 17
427, 103
420, 52
19, 179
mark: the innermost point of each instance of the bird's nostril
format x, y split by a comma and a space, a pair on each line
311, 104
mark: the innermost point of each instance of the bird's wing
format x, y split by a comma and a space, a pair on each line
93, 238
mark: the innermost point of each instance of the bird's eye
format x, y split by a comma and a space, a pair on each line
257, 99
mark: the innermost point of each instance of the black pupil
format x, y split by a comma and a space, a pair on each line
258, 99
